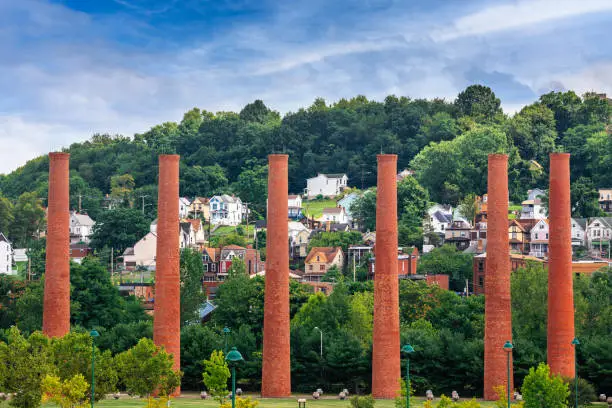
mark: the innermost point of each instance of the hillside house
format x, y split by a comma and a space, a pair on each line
251, 257
79, 251
6, 256
81, 227
336, 215
200, 208
437, 220
458, 234
199, 233
599, 233
295, 207
518, 237
299, 237
184, 207
226, 210
326, 185
532, 208
605, 199
320, 260
142, 254
346, 202
406, 264
579, 231
538, 246
187, 237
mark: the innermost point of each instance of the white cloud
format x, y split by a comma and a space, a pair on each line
519, 14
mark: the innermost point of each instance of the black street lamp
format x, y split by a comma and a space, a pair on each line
93, 335
408, 350
508, 349
233, 357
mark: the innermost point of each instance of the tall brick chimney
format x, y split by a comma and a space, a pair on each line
56, 303
386, 341
498, 317
560, 283
167, 307
276, 369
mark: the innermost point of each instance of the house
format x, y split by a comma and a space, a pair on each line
479, 268
403, 174
186, 235
519, 236
458, 233
436, 221
211, 280
81, 227
369, 238
346, 202
299, 237
142, 254
295, 207
184, 207
599, 233
532, 208
579, 231
336, 215
320, 260
6, 256
251, 257
538, 246
226, 210
326, 185
198, 231
334, 227
78, 251
605, 199
357, 253
200, 208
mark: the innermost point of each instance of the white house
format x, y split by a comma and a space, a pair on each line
295, 206
437, 220
539, 239
336, 215
346, 202
532, 208
327, 185
578, 231
226, 210
6, 256
143, 253
187, 237
599, 232
184, 207
299, 237
81, 227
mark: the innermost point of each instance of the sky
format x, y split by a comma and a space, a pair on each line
72, 68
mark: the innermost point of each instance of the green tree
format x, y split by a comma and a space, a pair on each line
543, 390
333, 274
565, 106
252, 186
197, 343
585, 198
119, 229
122, 186
533, 131
6, 215
203, 181
447, 260
468, 207
66, 394
335, 239
216, 373
478, 101
146, 368
192, 296
28, 219
363, 209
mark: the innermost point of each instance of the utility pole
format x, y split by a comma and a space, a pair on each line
142, 197
112, 263
354, 270
80, 207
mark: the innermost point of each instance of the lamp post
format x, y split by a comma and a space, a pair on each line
576, 343
407, 349
226, 332
508, 349
321, 348
93, 335
233, 357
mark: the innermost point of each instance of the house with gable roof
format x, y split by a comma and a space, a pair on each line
226, 210
6, 256
320, 260
326, 185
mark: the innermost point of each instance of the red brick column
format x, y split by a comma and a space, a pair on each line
167, 313
560, 284
276, 370
386, 341
498, 317
56, 303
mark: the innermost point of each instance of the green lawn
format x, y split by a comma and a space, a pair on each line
314, 208
228, 229
191, 400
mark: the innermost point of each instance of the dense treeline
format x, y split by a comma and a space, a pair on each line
446, 143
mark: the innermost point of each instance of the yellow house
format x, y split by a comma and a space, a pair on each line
320, 260
200, 207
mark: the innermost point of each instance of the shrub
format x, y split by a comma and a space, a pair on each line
241, 403
445, 402
216, 373
470, 404
541, 390
362, 402
586, 392
67, 394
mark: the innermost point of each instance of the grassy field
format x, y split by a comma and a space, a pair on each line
315, 208
228, 229
194, 401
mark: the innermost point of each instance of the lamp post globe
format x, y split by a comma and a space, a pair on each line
233, 357
508, 349
226, 332
93, 334
576, 343
408, 349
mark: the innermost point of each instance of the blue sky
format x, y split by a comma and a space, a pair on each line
71, 68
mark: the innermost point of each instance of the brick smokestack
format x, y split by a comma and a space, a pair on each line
498, 317
386, 341
560, 284
276, 370
56, 303
167, 308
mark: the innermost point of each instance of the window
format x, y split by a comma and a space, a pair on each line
213, 267
546, 236
541, 226
480, 266
318, 258
322, 267
205, 267
206, 258
310, 267
481, 281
